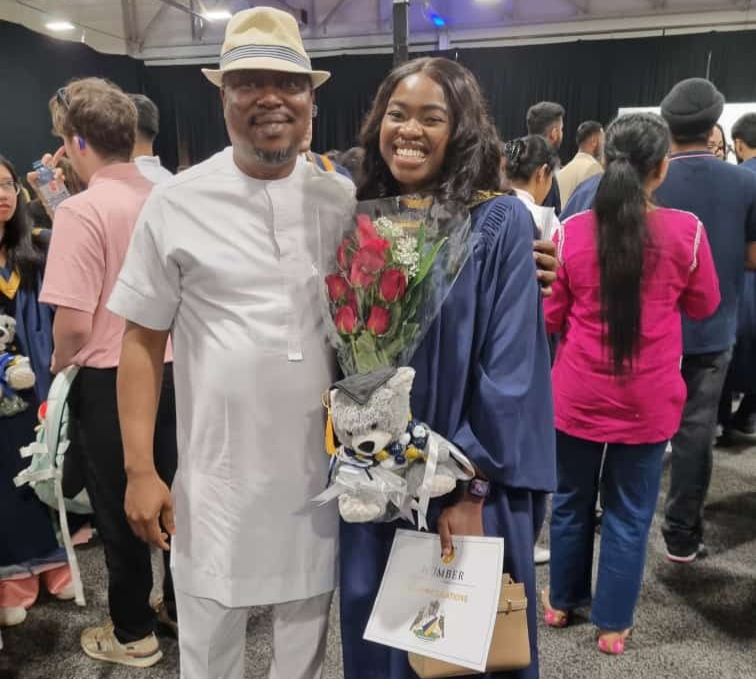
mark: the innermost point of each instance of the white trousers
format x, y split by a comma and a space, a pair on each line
212, 638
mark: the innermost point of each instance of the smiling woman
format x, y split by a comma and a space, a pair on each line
482, 371
415, 132
429, 130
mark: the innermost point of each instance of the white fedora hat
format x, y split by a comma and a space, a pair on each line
264, 39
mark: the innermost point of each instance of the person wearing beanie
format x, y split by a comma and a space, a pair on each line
724, 199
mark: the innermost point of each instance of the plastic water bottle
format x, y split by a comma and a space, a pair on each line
52, 191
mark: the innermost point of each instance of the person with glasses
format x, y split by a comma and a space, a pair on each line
91, 233
29, 550
718, 142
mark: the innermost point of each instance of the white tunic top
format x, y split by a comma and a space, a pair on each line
151, 168
545, 218
230, 263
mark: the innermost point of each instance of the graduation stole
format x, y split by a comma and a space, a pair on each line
480, 197
10, 287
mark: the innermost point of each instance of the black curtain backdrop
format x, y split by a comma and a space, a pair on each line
592, 79
32, 68
191, 116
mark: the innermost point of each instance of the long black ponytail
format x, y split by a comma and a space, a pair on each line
636, 145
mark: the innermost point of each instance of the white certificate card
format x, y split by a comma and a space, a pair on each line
441, 609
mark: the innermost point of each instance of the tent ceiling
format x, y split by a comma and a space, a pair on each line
161, 30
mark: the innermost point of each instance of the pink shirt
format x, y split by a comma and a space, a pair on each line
91, 233
645, 406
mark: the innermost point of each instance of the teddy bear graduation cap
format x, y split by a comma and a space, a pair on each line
360, 387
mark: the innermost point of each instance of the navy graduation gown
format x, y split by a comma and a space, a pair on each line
27, 531
483, 381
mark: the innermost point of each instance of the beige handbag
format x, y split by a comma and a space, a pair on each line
510, 645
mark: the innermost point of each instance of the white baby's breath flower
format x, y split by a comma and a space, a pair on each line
406, 255
387, 229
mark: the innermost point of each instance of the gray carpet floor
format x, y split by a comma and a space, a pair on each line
696, 621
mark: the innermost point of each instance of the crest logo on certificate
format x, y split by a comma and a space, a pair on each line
440, 608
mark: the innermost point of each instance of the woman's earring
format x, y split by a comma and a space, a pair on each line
314, 110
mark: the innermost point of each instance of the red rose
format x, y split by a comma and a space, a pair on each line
379, 320
368, 261
342, 254
337, 287
371, 257
346, 320
359, 279
365, 229
393, 285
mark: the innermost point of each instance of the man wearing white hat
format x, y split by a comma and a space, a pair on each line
224, 257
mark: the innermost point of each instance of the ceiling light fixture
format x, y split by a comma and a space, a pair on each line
217, 15
59, 26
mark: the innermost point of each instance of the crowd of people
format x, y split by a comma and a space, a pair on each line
594, 323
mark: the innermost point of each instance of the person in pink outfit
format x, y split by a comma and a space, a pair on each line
629, 268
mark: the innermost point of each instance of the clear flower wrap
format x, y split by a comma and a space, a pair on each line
388, 270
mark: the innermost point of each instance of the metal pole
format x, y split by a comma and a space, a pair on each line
401, 31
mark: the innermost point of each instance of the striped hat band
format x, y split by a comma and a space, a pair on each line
264, 51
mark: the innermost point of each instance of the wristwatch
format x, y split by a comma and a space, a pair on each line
478, 488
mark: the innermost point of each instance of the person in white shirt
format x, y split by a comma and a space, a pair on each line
529, 164
148, 126
587, 161
225, 258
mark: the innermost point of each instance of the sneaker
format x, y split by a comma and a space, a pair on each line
11, 616
541, 555
68, 593
676, 556
101, 643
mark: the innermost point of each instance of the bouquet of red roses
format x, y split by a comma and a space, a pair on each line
392, 272
388, 273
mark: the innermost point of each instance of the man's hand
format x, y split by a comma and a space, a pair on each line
547, 264
52, 162
149, 505
465, 517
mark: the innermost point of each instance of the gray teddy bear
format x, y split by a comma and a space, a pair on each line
387, 464
16, 373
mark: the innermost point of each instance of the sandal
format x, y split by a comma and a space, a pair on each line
551, 616
613, 643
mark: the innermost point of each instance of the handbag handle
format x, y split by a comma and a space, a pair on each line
507, 604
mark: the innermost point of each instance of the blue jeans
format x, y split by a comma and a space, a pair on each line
630, 488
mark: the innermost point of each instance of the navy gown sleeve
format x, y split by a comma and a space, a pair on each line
483, 371
509, 416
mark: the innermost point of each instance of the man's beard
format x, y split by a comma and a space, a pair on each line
279, 157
